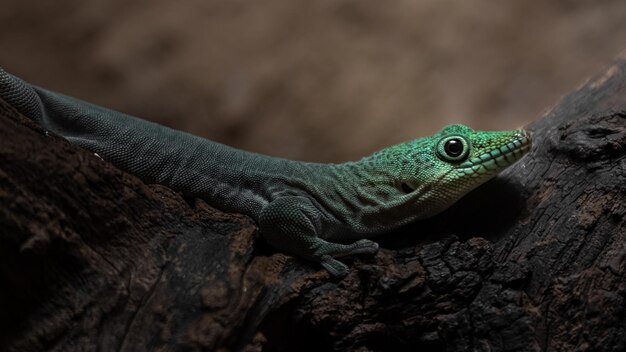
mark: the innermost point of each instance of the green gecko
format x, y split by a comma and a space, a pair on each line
316, 211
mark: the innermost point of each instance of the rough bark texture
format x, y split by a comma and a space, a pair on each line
93, 259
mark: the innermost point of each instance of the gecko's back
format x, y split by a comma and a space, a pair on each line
229, 178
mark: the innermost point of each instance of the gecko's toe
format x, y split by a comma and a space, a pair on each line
365, 246
334, 267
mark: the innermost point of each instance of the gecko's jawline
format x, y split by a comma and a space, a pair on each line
498, 159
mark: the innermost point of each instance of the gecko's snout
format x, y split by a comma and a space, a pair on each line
525, 139
525, 134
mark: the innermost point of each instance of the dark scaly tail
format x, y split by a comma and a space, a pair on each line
20, 95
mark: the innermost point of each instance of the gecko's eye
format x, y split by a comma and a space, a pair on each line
453, 148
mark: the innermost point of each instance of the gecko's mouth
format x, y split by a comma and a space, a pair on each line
498, 158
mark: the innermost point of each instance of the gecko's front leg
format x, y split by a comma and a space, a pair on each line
293, 223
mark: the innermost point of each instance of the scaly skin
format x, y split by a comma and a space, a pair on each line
302, 208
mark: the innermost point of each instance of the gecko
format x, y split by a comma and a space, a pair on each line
316, 211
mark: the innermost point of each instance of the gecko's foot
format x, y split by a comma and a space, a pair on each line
364, 246
334, 267
337, 268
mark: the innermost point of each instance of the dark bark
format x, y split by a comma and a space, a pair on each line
93, 259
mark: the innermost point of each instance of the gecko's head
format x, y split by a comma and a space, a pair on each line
442, 168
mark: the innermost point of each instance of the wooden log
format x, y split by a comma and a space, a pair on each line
93, 259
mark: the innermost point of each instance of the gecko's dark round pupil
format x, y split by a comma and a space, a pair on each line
453, 147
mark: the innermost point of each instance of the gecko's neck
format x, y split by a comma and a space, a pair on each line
363, 195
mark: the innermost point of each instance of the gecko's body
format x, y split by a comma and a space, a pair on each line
302, 208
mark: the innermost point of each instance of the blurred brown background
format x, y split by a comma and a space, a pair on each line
323, 80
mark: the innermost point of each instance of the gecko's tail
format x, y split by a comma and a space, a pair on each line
20, 95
